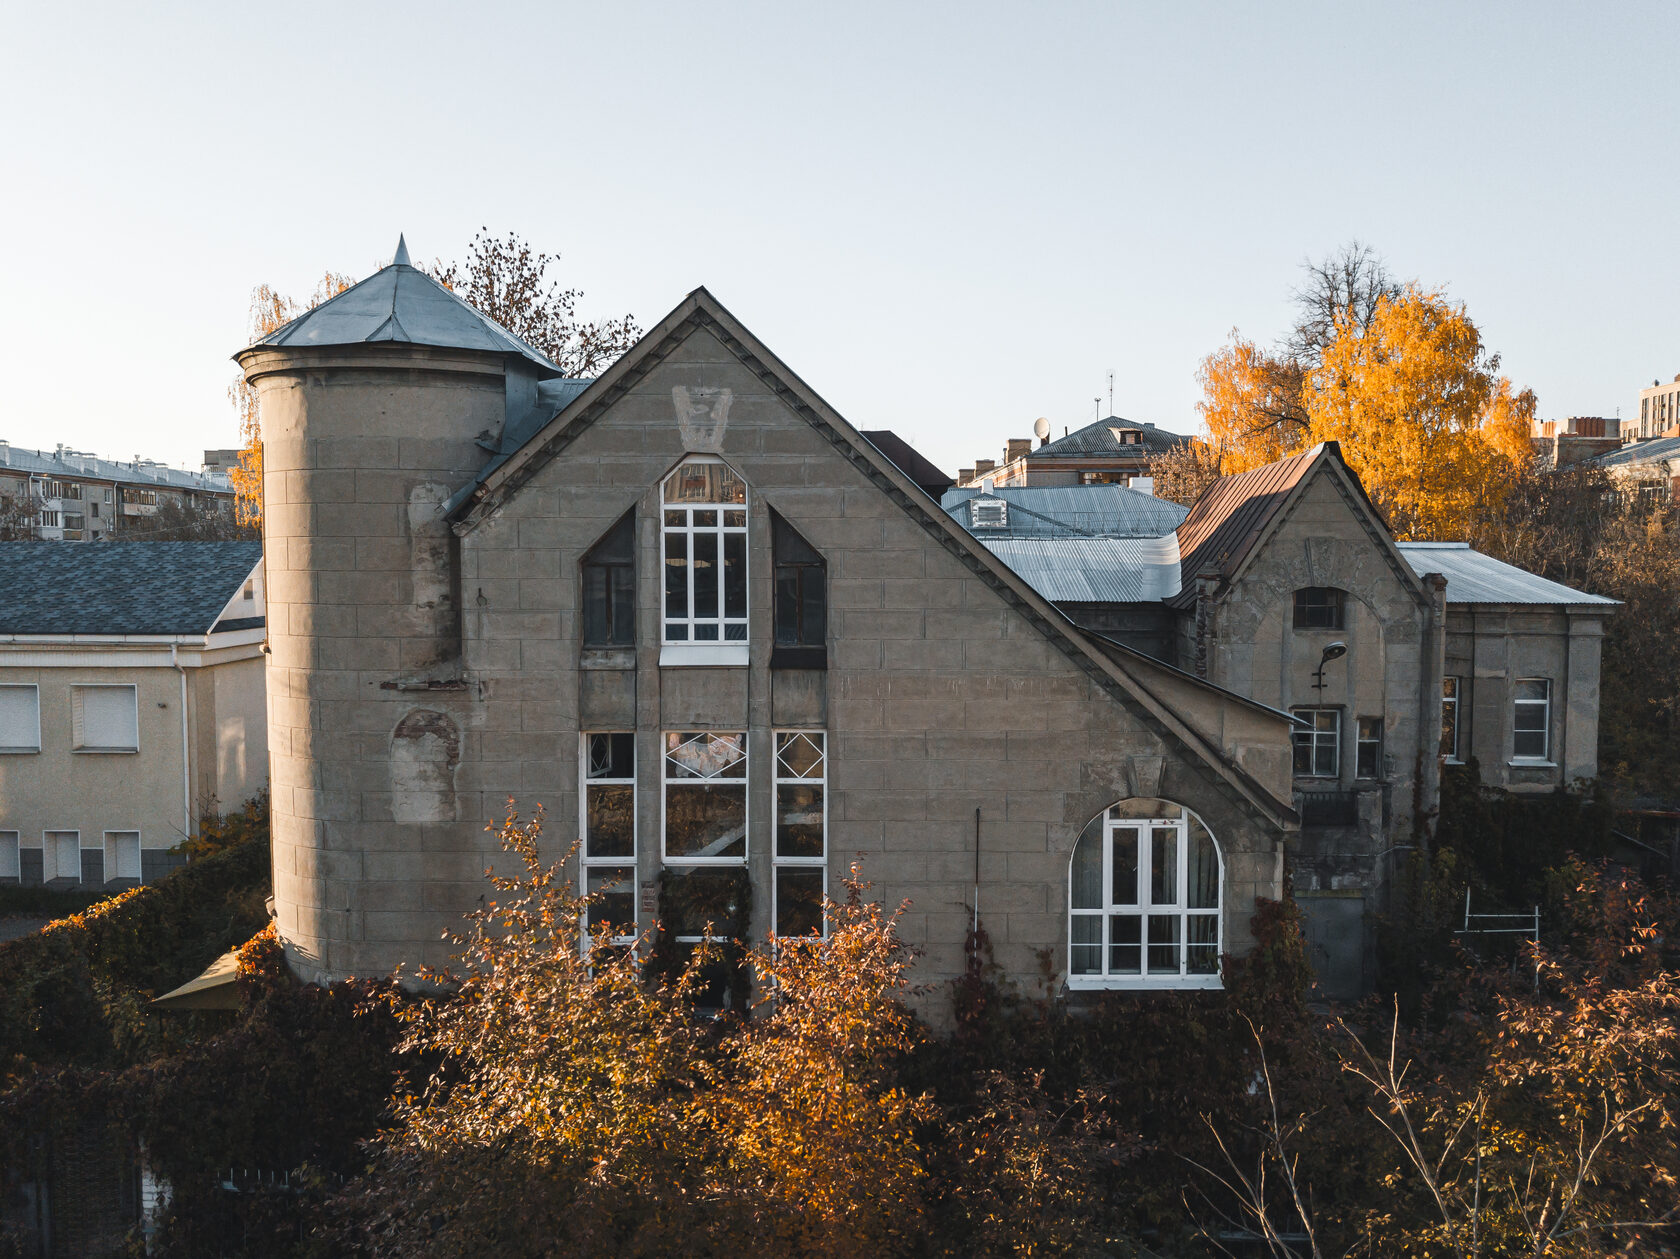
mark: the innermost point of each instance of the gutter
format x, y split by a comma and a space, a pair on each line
186, 764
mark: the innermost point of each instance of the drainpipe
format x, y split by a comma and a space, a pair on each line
186, 764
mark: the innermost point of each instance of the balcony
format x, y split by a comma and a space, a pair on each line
1337, 807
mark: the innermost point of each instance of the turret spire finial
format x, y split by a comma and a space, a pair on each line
401, 260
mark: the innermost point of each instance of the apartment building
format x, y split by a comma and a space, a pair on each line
65, 495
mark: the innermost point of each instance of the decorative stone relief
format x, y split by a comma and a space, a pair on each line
1146, 775
702, 416
425, 749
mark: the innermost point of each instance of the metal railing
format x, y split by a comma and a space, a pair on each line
1338, 807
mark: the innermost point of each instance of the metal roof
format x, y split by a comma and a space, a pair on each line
120, 587
1098, 439
1476, 578
1093, 570
1230, 514
1635, 453
908, 460
76, 465
1109, 511
402, 303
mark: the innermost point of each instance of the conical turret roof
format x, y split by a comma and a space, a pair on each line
402, 303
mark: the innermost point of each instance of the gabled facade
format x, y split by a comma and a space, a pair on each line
731, 648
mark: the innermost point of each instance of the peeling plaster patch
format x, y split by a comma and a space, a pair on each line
428, 545
702, 415
425, 749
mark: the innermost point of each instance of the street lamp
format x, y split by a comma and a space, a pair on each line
1333, 651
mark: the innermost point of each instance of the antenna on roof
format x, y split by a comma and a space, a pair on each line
401, 259
1041, 430
1098, 401
1111, 391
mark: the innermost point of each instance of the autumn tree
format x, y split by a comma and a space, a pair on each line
1423, 416
1184, 471
18, 514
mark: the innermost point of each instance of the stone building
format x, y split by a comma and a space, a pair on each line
727, 644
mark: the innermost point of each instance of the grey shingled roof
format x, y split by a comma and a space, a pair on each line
1476, 578
1106, 511
1098, 439
1093, 570
120, 587
402, 303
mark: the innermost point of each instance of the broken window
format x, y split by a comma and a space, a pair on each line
609, 587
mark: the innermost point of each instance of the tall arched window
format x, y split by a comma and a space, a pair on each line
1145, 890
705, 544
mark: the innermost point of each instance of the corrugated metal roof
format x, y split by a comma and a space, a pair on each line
120, 587
1641, 452
1098, 439
402, 303
1476, 578
1111, 511
1093, 570
75, 465
1229, 516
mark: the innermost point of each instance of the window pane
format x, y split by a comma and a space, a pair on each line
611, 821
612, 756
1125, 952
1163, 870
704, 483
798, 901
705, 519
1202, 953
705, 575
1125, 866
1203, 874
676, 577
622, 606
787, 605
617, 906
690, 899
596, 611
1087, 874
813, 606
799, 820
1163, 943
1530, 744
734, 574
1086, 956
705, 820
705, 755
1532, 689
799, 755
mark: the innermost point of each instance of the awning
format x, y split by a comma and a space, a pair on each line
214, 989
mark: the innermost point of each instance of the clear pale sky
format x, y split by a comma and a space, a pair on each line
948, 219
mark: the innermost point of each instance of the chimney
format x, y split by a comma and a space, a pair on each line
1016, 448
983, 466
964, 475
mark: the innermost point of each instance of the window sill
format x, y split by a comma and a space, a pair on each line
1122, 983
1530, 762
106, 751
20, 751
680, 655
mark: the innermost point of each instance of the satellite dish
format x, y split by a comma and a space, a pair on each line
1041, 428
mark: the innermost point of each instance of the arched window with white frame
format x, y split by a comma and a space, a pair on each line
704, 546
1145, 897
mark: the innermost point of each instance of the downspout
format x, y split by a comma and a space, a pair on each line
186, 765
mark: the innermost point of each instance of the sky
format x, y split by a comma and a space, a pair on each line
948, 219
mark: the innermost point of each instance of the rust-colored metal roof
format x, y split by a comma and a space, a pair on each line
1227, 519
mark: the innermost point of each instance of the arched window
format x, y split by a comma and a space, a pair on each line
1145, 890
705, 530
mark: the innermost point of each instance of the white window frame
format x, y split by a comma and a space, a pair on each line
1544, 704
1144, 909
1452, 692
50, 854
588, 863
112, 838
24, 749
1316, 740
11, 855
781, 776
667, 780
78, 739
678, 520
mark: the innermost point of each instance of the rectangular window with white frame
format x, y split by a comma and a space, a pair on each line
20, 717
705, 798
608, 830
11, 855
801, 848
1318, 743
122, 855
1531, 720
105, 718
1449, 717
1368, 748
62, 856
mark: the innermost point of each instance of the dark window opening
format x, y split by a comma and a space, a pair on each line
1319, 607
801, 600
609, 587
1368, 746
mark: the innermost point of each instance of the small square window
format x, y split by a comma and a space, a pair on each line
105, 718
20, 718
1320, 608
1318, 745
